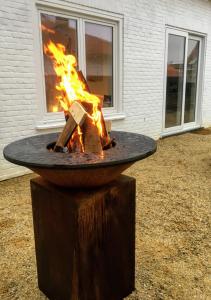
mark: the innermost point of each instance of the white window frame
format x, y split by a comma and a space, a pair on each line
198, 110
81, 14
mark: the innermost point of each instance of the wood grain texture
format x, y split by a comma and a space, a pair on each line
65, 134
78, 113
91, 137
85, 240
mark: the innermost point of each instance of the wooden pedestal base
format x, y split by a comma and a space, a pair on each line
85, 240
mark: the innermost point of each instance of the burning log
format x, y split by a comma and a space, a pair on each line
75, 143
65, 134
92, 136
76, 116
105, 139
78, 113
92, 141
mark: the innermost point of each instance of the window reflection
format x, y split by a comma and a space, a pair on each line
59, 30
175, 74
191, 80
99, 61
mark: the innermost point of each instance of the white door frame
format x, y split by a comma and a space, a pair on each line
197, 122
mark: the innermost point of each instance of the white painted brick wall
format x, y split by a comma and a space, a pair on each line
143, 64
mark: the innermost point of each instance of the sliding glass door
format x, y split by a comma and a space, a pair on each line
182, 80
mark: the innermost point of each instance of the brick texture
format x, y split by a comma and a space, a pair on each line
143, 64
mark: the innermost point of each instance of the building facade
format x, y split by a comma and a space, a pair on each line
149, 61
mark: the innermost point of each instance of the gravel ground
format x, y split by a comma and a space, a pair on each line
173, 229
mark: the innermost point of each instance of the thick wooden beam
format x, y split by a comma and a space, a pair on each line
85, 240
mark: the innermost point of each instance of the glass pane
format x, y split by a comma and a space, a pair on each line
63, 31
175, 74
99, 61
191, 81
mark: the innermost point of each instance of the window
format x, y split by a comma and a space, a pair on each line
95, 44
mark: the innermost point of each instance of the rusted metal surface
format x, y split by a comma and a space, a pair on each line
82, 177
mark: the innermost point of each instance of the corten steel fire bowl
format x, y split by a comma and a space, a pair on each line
79, 169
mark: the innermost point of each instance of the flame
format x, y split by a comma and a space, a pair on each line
76, 141
54, 108
80, 137
70, 86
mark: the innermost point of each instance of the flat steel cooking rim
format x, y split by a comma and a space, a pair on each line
147, 146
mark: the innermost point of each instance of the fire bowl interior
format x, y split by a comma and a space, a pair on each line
79, 169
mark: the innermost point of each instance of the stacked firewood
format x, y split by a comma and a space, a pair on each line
80, 133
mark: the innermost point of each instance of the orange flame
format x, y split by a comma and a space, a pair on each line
70, 85
79, 132
76, 141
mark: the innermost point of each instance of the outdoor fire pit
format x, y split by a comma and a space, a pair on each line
79, 169
83, 209
84, 238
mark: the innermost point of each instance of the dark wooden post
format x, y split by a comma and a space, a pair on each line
85, 240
